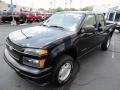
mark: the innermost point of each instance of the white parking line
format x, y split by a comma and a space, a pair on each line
113, 53
23, 24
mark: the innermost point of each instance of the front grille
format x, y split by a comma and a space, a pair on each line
13, 53
14, 50
16, 47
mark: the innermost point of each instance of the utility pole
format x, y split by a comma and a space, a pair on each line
13, 22
70, 3
50, 8
54, 3
65, 4
50, 4
80, 4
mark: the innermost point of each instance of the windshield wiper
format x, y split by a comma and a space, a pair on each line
57, 26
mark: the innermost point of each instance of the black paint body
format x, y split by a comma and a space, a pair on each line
56, 41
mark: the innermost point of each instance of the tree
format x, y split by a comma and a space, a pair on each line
88, 8
59, 9
41, 9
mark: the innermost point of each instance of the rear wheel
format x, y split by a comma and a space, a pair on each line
105, 45
63, 70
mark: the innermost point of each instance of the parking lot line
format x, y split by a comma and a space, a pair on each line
113, 53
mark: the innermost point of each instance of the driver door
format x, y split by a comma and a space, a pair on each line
85, 41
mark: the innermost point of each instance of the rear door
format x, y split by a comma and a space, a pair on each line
100, 31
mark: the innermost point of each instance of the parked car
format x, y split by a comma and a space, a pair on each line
1, 16
30, 17
48, 51
114, 17
22, 17
46, 16
7, 17
37, 17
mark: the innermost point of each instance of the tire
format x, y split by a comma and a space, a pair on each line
105, 45
61, 74
3, 21
31, 21
119, 30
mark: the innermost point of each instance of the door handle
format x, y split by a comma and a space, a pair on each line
88, 33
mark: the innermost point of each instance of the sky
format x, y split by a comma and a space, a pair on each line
61, 3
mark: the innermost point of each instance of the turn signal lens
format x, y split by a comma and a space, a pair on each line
42, 63
35, 52
43, 52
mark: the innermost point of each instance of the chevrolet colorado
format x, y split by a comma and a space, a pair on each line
50, 50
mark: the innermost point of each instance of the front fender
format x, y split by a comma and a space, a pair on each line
66, 44
57, 50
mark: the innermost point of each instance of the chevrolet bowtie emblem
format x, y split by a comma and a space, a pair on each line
11, 48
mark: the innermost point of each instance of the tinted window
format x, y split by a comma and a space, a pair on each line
111, 16
90, 20
101, 21
117, 17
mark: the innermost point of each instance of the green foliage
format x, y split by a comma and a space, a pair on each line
88, 8
41, 9
60, 9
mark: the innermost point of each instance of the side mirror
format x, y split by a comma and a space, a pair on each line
88, 29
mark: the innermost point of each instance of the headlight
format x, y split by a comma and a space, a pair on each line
35, 52
34, 62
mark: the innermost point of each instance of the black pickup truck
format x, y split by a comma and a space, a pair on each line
49, 51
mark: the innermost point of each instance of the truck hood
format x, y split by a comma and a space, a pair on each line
38, 36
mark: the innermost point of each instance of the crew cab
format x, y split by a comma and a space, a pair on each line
48, 52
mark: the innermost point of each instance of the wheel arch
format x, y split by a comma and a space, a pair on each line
71, 51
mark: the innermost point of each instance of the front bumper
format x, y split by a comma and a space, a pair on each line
29, 72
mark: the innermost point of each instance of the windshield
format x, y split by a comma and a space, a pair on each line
65, 20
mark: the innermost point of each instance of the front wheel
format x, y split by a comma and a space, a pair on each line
105, 45
63, 70
119, 30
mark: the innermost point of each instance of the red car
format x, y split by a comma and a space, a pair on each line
46, 16
30, 17
34, 17
38, 17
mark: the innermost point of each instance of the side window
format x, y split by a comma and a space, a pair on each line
111, 15
117, 17
101, 21
90, 21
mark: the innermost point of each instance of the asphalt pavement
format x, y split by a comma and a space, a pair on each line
98, 70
